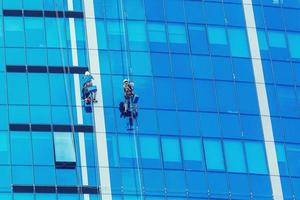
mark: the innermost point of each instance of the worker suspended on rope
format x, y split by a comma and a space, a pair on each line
89, 91
128, 108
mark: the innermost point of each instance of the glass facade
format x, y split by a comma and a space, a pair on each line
219, 109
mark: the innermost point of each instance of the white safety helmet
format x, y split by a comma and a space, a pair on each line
87, 73
125, 80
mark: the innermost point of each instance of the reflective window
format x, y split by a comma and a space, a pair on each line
64, 147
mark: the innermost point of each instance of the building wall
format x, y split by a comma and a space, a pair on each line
219, 110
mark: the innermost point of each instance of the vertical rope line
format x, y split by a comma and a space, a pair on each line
128, 70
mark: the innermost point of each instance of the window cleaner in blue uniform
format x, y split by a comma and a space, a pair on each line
89, 90
128, 108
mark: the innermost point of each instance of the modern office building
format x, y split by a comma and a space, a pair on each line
219, 109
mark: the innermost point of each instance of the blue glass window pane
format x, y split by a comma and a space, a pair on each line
198, 39
213, 155
17, 88
5, 181
251, 126
44, 175
171, 6
256, 158
202, 67
134, 9
45, 196
21, 152
278, 46
55, 33
137, 35
42, 144
213, 120
157, 37
175, 182
263, 189
294, 45
112, 148
185, 94
247, 97
194, 11
115, 35
127, 150
222, 68
140, 63
226, 96
154, 10
276, 39
273, 18
296, 186
8, 4
18, 114
23, 196
14, 32
130, 180
263, 44
283, 73
66, 177
36, 56
234, 155
217, 190
1, 34
171, 152
55, 57
39, 89
58, 91
147, 121
192, 153
161, 64
291, 126
230, 125
2, 61
4, 149
196, 183
218, 40
239, 185
111, 8
168, 122
188, 122
234, 14
64, 147
181, 65
35, 32
243, 69
281, 159
287, 101
4, 117
177, 38
61, 115
150, 151
293, 152
238, 42
151, 186
217, 16
101, 34
164, 88
22, 175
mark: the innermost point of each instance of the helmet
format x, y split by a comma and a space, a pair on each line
125, 80
87, 73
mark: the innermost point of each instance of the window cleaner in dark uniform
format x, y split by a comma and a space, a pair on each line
89, 90
128, 108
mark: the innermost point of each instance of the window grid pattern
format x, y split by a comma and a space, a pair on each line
199, 119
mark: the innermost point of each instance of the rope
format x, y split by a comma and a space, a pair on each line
128, 70
67, 89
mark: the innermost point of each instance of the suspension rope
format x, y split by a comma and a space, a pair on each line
67, 89
135, 124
